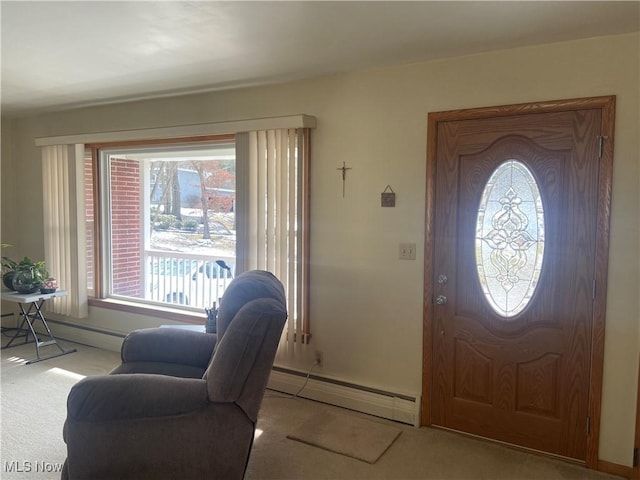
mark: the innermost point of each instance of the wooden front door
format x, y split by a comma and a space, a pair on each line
513, 276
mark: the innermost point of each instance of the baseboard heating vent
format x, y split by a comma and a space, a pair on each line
86, 335
393, 406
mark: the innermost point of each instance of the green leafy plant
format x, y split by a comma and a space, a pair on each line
8, 265
31, 273
38, 269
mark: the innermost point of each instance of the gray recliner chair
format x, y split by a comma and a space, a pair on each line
183, 404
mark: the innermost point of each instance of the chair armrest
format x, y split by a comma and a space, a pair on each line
170, 345
120, 397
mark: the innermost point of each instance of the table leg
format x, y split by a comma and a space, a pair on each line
27, 317
21, 331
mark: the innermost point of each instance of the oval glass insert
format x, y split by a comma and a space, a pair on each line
510, 238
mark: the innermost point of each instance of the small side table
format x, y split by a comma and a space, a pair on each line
31, 310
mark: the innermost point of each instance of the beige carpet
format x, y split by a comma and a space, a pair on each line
347, 435
34, 406
33, 409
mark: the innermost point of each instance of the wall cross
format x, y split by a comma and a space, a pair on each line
344, 169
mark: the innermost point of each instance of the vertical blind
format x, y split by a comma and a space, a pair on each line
275, 167
64, 230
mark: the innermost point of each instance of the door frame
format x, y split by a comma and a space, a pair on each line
636, 444
607, 106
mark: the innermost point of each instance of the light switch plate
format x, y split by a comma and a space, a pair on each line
407, 251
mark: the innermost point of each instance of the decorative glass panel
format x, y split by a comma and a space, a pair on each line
510, 238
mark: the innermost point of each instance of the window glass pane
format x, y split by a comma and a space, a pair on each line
171, 219
509, 244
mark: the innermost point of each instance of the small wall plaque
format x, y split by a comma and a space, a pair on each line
388, 197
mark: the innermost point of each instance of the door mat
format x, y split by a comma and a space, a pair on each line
351, 436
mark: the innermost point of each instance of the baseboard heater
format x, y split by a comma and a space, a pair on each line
393, 406
86, 335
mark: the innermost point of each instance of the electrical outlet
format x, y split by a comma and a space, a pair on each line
407, 251
319, 358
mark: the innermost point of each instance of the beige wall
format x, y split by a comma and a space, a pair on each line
366, 304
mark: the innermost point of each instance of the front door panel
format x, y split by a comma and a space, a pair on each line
515, 222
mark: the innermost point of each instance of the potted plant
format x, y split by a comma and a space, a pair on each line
26, 276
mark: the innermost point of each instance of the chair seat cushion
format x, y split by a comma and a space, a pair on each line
160, 368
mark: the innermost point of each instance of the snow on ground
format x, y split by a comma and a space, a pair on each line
180, 241
221, 243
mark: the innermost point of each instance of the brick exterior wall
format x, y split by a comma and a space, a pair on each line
126, 221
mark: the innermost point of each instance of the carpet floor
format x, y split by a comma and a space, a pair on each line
33, 410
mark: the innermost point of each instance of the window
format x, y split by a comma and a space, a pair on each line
510, 238
168, 222
175, 221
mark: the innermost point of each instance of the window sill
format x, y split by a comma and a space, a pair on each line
149, 310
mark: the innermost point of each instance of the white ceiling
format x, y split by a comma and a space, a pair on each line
58, 55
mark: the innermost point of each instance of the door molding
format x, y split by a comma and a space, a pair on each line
636, 468
607, 106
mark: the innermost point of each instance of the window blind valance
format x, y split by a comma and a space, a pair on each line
235, 126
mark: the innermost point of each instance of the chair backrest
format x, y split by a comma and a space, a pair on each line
250, 321
244, 288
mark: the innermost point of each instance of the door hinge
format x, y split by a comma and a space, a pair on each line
588, 425
635, 457
593, 290
601, 139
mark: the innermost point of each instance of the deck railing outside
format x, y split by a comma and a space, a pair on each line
191, 279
